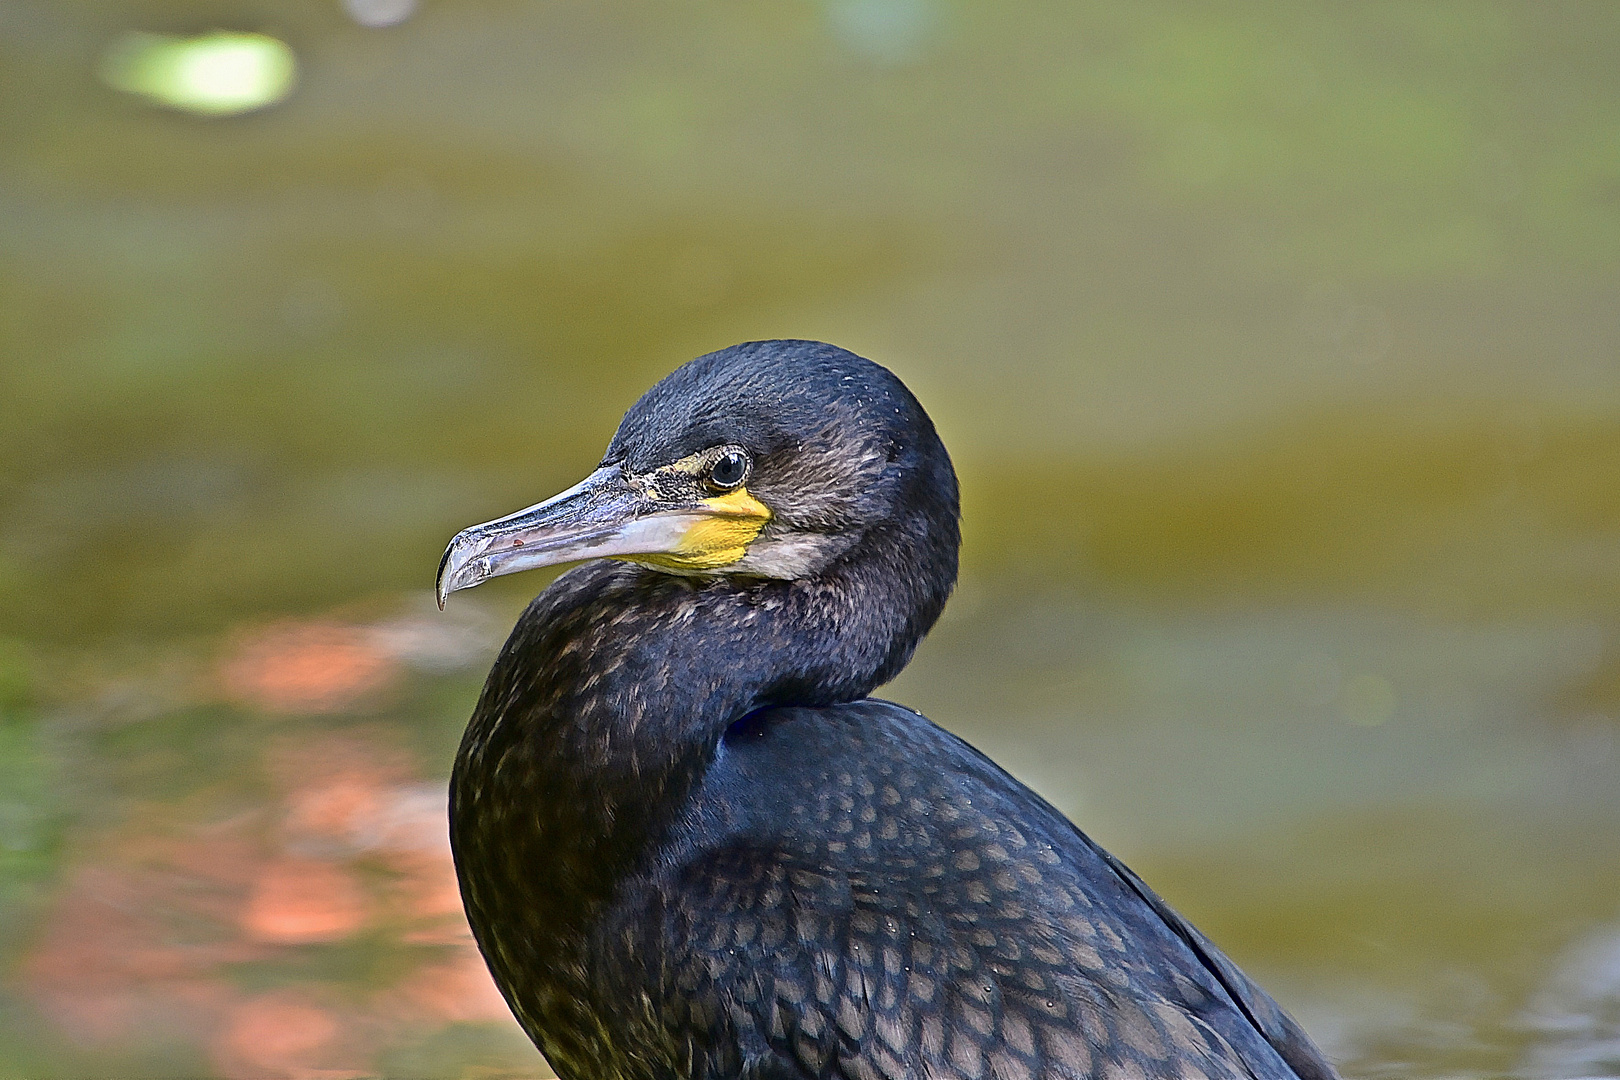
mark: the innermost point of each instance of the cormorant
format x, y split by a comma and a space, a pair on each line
690, 846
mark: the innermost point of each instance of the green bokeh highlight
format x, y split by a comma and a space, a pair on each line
218, 74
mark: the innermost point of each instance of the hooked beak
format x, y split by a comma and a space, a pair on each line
600, 517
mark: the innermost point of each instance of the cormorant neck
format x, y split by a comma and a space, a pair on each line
615, 689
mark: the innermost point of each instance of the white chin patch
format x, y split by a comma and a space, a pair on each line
795, 555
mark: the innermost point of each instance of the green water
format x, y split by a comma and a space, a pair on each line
1278, 346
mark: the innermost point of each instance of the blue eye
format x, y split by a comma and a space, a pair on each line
729, 469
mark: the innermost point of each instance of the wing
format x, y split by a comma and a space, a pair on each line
818, 973
889, 904
1280, 1030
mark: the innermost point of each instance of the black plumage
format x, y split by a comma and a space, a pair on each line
690, 846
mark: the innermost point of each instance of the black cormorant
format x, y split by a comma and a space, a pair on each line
690, 846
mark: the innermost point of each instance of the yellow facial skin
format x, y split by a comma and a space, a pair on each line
720, 538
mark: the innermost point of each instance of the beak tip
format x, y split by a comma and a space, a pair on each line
440, 592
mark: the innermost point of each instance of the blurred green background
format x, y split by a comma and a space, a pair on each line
1277, 345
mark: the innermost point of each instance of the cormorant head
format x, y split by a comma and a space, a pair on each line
772, 459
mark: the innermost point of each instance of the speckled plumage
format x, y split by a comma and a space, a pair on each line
690, 846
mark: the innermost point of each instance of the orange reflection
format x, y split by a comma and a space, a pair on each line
460, 990
308, 667
281, 1034
210, 932
298, 901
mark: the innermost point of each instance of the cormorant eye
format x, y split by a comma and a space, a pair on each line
729, 469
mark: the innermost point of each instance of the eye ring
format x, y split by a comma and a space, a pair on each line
729, 469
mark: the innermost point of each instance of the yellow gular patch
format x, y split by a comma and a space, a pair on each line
719, 539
